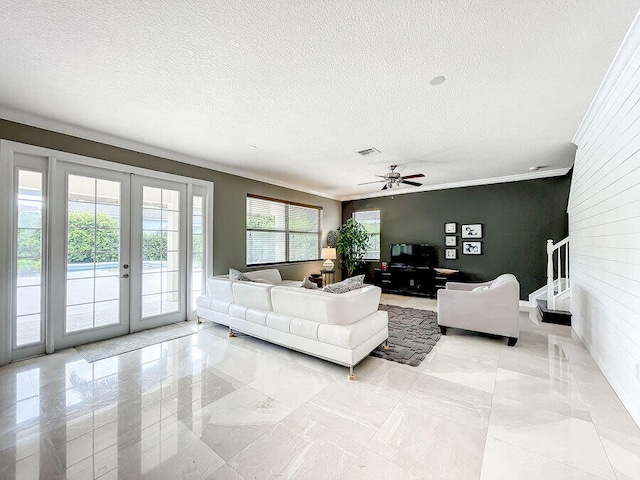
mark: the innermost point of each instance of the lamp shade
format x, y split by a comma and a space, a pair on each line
328, 253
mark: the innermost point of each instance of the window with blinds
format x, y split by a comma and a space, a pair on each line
370, 219
279, 231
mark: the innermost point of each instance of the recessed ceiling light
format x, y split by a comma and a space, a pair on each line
533, 169
437, 80
252, 147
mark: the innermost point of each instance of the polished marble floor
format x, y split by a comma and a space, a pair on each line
206, 406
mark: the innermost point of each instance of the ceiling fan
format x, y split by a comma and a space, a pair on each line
393, 179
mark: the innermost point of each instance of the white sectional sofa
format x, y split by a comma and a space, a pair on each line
342, 328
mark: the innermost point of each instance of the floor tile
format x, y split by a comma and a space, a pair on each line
561, 396
461, 370
231, 423
296, 448
503, 461
428, 445
559, 437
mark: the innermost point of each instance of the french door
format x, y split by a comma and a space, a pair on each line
90, 260
91, 250
120, 246
158, 241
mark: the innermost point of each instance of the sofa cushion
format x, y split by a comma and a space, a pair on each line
304, 328
220, 288
278, 321
324, 307
253, 295
270, 274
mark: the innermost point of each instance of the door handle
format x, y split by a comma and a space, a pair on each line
126, 275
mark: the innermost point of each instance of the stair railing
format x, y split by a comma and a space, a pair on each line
561, 250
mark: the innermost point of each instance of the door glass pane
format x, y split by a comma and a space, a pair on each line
29, 258
93, 253
160, 251
197, 249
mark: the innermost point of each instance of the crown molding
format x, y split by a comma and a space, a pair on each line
628, 49
100, 137
558, 172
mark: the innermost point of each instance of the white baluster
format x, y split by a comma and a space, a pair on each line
566, 265
550, 297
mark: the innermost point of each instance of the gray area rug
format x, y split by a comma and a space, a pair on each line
412, 335
134, 341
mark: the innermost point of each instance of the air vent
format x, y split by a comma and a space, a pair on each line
368, 151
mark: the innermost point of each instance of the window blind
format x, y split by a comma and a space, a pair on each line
279, 231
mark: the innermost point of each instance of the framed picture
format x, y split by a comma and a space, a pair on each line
472, 248
450, 240
472, 231
450, 227
451, 254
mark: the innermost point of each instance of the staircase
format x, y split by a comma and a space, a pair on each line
552, 302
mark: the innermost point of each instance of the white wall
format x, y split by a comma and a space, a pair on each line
604, 225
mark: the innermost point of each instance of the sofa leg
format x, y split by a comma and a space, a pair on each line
351, 375
385, 345
443, 330
231, 334
512, 341
199, 320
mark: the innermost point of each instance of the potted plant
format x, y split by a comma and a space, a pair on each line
352, 244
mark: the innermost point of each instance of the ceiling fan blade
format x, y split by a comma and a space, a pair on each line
415, 184
385, 187
375, 181
413, 176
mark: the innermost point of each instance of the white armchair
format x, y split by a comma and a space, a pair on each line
494, 309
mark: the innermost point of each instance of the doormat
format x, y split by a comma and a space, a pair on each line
412, 335
134, 341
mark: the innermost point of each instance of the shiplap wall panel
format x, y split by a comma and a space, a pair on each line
604, 226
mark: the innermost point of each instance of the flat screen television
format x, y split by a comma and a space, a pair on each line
411, 254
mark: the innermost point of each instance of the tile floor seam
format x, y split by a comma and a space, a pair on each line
493, 395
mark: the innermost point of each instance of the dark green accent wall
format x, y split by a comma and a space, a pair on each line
517, 218
230, 191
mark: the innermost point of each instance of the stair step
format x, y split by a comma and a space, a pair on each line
558, 317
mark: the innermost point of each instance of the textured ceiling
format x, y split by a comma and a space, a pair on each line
312, 82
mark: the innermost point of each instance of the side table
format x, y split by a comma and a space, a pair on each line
328, 276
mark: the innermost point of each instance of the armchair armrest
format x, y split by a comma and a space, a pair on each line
466, 286
493, 311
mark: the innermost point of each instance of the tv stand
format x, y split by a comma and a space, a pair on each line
406, 280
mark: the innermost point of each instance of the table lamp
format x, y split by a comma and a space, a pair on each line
328, 254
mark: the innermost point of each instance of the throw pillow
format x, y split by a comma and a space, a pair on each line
358, 279
306, 283
345, 286
481, 288
238, 275
261, 280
